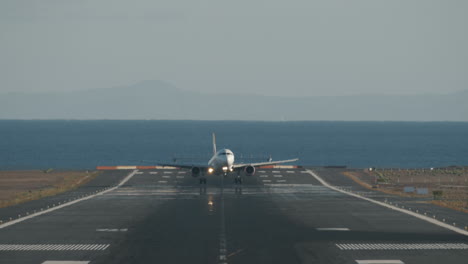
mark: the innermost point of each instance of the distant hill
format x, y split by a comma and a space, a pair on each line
161, 100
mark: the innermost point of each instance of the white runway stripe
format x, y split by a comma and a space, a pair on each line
276, 171
153, 172
168, 172
266, 180
278, 176
281, 181
262, 171
263, 176
42, 247
332, 229
162, 181
180, 177
289, 171
64, 262
379, 261
111, 230
405, 246
166, 177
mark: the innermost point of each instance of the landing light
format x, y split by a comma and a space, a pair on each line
210, 203
210, 170
225, 168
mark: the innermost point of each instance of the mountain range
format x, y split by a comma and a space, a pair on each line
161, 100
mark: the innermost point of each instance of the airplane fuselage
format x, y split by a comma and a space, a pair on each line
221, 162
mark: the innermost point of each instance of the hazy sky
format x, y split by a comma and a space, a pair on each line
249, 46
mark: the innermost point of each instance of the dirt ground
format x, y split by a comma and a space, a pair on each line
446, 186
21, 186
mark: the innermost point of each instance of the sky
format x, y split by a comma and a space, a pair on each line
268, 47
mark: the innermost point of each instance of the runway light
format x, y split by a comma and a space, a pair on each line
210, 170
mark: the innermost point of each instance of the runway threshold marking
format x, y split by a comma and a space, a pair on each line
21, 219
263, 176
402, 246
379, 261
53, 247
422, 217
332, 229
278, 176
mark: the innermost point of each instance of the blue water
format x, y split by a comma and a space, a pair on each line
87, 144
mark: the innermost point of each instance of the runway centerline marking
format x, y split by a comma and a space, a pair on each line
263, 176
112, 230
380, 261
64, 262
422, 217
19, 220
166, 177
332, 229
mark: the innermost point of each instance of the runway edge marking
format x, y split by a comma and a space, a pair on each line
10, 223
422, 217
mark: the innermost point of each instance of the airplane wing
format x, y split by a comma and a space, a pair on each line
184, 166
238, 166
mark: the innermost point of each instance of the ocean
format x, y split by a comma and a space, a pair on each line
74, 144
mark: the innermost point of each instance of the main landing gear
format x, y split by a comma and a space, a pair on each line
238, 180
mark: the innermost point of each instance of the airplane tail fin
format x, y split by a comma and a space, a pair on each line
214, 144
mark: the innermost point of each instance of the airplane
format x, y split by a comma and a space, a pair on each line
222, 163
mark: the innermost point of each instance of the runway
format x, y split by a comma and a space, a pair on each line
276, 216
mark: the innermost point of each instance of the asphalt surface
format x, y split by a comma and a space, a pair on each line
276, 216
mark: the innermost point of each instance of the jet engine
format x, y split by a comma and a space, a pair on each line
249, 170
195, 171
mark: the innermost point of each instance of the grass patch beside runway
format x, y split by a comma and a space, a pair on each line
21, 186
